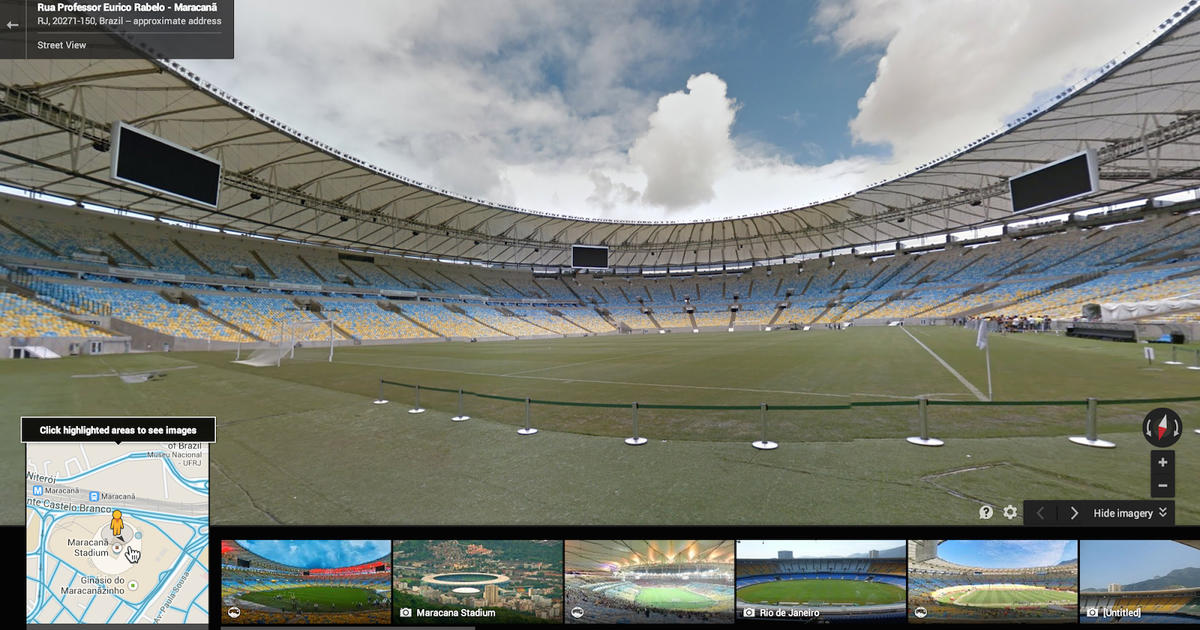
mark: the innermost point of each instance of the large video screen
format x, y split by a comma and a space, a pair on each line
1069, 178
589, 257
158, 164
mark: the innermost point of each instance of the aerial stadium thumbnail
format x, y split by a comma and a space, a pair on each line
1139, 581
1013, 581
649, 581
305, 582
859, 581
448, 582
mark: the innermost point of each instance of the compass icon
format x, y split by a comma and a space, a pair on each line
1162, 427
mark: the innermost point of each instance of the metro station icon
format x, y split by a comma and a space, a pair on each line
93, 496
37, 491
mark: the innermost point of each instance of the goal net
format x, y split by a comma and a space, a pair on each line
290, 335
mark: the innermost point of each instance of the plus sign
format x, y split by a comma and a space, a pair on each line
1163, 462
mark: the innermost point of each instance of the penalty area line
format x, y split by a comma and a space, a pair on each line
954, 372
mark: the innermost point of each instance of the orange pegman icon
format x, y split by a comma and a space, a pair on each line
117, 525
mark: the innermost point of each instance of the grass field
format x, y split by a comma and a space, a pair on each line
1001, 598
672, 598
303, 444
314, 598
821, 592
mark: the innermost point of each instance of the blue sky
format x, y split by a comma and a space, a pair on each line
795, 92
1008, 554
323, 554
666, 109
1104, 562
812, 548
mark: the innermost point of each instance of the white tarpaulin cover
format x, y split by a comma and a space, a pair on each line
40, 352
1121, 311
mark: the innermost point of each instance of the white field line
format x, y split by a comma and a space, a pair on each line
954, 372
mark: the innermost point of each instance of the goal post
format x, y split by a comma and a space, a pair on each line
289, 334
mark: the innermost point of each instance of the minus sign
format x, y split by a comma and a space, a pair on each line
1162, 485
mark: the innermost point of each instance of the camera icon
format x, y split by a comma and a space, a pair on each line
405, 612
1092, 612
748, 612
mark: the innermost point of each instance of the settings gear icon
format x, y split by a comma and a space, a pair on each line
1010, 512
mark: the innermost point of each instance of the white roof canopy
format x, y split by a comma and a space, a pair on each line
1140, 114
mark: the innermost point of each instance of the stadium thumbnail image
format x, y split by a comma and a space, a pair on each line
1013, 581
321, 289
471, 582
1139, 581
827, 581
305, 582
649, 581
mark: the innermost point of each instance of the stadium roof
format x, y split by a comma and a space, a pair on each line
590, 555
1140, 113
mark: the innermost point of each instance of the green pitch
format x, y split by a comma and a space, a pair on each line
303, 444
671, 598
1016, 597
822, 591
314, 598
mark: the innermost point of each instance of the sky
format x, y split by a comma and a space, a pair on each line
665, 110
1104, 562
1008, 554
319, 554
812, 548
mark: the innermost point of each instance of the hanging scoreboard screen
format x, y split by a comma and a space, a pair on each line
589, 257
1069, 178
148, 161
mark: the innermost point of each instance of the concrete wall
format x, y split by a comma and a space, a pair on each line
66, 346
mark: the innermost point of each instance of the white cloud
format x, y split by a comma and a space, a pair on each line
687, 147
864, 23
450, 93
608, 194
955, 70
541, 104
